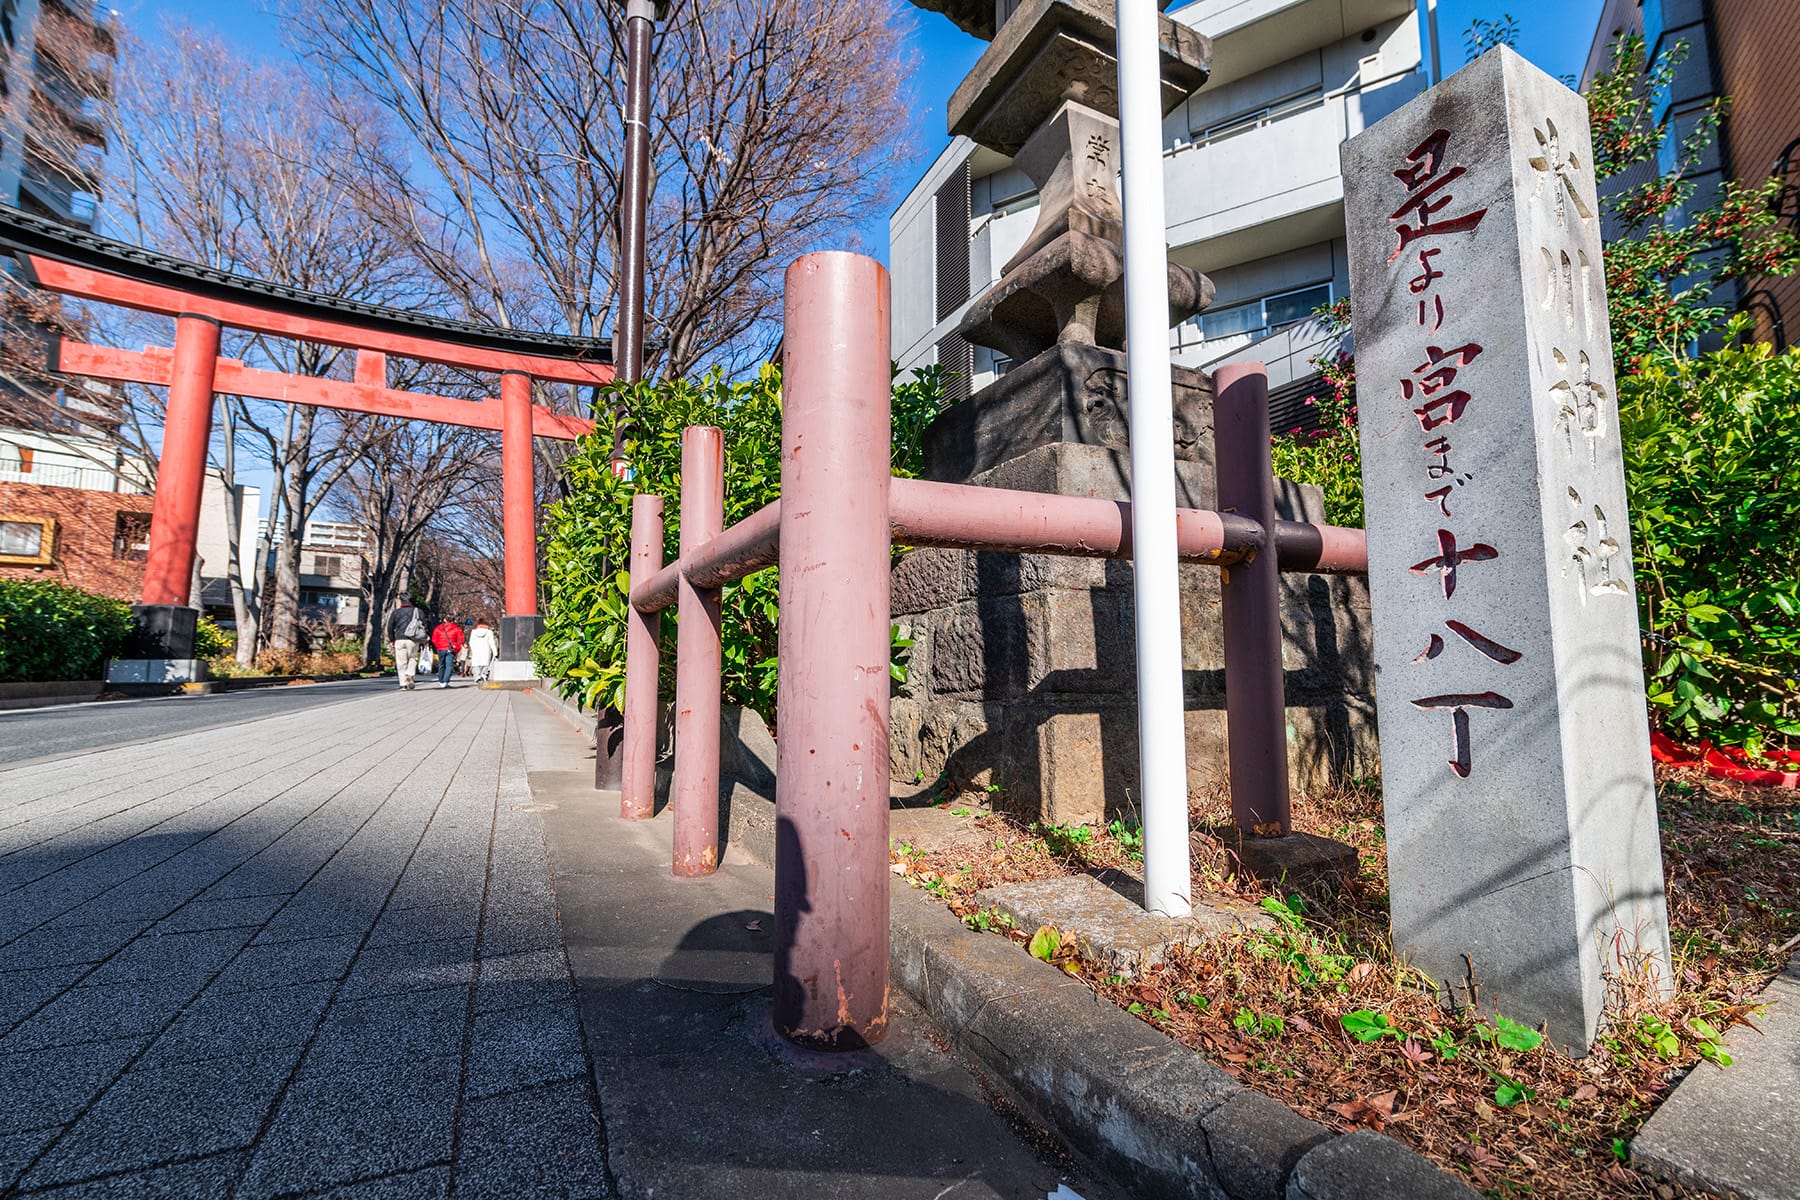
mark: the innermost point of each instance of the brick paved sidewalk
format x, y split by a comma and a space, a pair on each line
316, 954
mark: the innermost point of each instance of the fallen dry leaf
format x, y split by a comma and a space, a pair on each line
1586, 1091
1374, 1112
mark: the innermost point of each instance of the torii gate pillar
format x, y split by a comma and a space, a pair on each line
521, 625
161, 650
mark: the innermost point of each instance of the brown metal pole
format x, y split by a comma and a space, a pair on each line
634, 199
1255, 712
697, 659
831, 789
643, 663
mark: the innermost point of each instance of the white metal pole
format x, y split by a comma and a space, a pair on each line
1162, 740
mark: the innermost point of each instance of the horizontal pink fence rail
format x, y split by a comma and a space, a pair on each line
964, 517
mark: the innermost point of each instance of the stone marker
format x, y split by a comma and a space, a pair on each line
1521, 808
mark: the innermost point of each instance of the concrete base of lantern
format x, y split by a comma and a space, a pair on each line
1107, 921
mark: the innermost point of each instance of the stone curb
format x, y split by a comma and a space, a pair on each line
1731, 1131
41, 694
1151, 1112
578, 719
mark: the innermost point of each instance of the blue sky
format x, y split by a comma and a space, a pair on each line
1554, 34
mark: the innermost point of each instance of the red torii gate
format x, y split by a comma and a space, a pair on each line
203, 301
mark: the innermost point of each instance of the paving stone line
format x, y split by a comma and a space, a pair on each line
191, 889
94, 766
312, 1108
76, 779
98, 835
218, 832
70, 882
108, 1138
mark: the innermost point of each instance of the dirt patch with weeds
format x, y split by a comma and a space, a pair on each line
1318, 1012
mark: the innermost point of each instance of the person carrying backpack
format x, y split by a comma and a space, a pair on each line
447, 640
406, 629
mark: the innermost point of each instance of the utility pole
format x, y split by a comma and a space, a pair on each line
634, 202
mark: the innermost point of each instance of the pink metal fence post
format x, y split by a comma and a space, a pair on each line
831, 792
1255, 711
643, 639
697, 663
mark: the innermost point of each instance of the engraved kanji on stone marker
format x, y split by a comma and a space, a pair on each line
1428, 180
1558, 168
1449, 556
1579, 403
1499, 552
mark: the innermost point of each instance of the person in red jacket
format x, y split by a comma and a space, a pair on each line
447, 640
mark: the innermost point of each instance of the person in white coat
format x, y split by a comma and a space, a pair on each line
484, 648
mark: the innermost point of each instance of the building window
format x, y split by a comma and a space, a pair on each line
1259, 318
1017, 203
131, 536
328, 564
1268, 114
26, 541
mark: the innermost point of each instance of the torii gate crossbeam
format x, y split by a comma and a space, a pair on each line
203, 301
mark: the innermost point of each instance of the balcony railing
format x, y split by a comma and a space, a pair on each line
87, 479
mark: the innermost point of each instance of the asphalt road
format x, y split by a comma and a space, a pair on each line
79, 728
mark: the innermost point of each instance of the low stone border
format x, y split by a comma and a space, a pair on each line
1153, 1113
38, 695
578, 718
234, 683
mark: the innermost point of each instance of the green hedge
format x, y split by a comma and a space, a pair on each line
587, 534
52, 632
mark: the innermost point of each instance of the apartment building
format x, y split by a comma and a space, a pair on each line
333, 559
1746, 50
55, 81
1253, 195
76, 509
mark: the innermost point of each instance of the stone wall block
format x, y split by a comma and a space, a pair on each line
925, 579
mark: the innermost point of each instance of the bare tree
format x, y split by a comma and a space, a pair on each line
242, 166
409, 480
778, 125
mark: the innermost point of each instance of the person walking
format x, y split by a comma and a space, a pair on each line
484, 648
406, 629
447, 640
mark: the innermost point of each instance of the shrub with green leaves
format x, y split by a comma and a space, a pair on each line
51, 632
587, 539
210, 641
1710, 447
